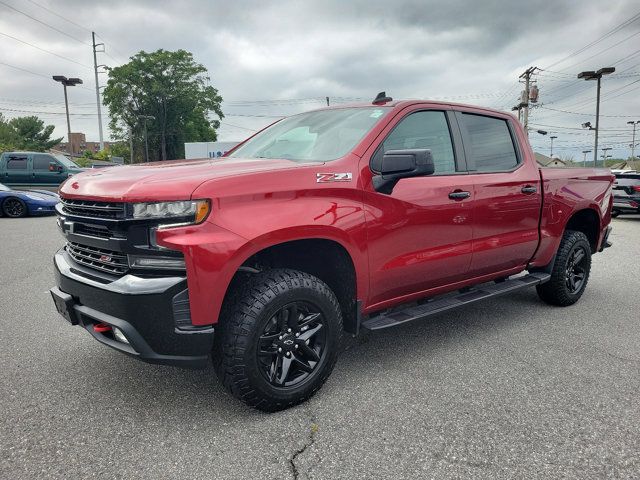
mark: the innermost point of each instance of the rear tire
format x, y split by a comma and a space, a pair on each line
570, 272
278, 339
13, 207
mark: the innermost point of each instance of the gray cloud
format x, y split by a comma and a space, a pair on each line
469, 50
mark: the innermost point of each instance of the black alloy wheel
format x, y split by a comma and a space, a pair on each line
576, 271
292, 344
14, 207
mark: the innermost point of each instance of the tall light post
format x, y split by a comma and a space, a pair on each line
633, 141
604, 155
552, 137
591, 75
146, 142
67, 82
584, 158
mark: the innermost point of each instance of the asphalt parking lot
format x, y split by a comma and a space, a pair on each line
510, 388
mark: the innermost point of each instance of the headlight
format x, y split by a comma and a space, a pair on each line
192, 211
161, 263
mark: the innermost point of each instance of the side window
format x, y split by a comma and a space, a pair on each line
426, 129
491, 146
17, 163
41, 162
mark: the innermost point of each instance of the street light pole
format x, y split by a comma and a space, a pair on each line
67, 82
584, 159
591, 75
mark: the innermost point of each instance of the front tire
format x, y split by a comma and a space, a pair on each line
570, 272
13, 207
278, 339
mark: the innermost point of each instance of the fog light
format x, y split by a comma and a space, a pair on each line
119, 336
164, 263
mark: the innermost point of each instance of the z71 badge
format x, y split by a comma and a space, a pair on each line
333, 177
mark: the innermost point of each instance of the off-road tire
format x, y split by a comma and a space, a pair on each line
248, 308
556, 291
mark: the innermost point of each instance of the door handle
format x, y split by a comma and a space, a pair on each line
529, 189
459, 195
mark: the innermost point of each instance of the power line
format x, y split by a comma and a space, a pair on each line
59, 16
598, 40
48, 77
602, 51
44, 23
44, 50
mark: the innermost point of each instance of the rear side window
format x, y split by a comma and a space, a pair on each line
426, 129
17, 163
491, 145
41, 162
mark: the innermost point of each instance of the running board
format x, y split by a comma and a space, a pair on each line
482, 292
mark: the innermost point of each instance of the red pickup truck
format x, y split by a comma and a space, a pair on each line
342, 219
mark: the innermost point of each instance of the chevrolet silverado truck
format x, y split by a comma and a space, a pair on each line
344, 219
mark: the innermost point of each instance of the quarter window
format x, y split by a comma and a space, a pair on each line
491, 145
426, 129
17, 163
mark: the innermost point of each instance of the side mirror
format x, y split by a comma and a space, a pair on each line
397, 164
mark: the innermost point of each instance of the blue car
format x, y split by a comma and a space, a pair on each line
20, 203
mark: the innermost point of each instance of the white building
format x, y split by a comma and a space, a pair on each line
207, 149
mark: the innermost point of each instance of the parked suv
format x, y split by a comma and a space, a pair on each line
36, 168
331, 221
626, 193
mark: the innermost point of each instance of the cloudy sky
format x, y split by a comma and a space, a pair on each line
275, 60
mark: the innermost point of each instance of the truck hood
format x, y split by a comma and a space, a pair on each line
158, 181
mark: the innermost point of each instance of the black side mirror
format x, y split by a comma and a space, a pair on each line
397, 164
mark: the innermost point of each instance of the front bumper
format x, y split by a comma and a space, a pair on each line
144, 309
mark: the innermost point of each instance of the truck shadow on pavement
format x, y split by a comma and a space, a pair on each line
362, 360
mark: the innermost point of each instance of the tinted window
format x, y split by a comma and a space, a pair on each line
17, 163
491, 143
424, 130
41, 162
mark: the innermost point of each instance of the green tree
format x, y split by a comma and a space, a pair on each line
32, 134
171, 87
8, 137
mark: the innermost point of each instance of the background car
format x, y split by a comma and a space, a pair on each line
20, 203
626, 194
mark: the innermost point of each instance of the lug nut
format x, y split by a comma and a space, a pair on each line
297, 334
296, 346
288, 354
279, 349
280, 337
289, 331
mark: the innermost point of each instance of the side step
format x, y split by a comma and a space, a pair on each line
482, 292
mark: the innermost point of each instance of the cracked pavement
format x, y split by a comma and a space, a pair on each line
508, 388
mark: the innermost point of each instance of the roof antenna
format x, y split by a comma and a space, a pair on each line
382, 98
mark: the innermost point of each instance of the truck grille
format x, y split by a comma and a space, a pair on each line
98, 258
88, 208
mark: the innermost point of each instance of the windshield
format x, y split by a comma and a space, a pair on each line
66, 162
314, 136
4, 188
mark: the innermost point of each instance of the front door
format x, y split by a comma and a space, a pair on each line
419, 236
506, 192
47, 170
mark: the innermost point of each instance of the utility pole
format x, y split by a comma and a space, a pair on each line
604, 155
584, 159
95, 71
633, 142
524, 104
592, 75
131, 145
146, 142
552, 137
327, 101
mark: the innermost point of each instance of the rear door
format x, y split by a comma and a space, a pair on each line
506, 193
16, 170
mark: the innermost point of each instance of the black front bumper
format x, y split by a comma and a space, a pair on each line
142, 308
